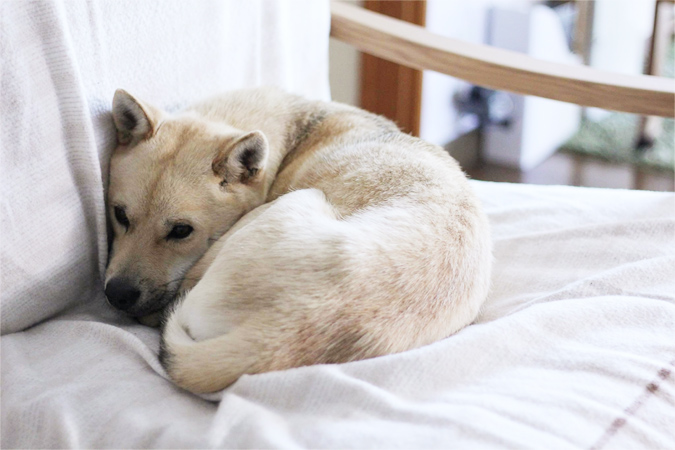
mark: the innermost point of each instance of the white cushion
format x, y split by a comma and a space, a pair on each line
61, 63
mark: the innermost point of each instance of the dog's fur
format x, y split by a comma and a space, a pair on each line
326, 236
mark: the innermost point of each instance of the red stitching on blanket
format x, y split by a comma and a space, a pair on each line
619, 422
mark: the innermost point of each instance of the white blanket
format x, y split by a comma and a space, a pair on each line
60, 63
574, 349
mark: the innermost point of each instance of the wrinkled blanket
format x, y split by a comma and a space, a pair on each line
575, 348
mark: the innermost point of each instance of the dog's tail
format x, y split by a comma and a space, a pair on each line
209, 365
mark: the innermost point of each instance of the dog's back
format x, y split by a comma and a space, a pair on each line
372, 243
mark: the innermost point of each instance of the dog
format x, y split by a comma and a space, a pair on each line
278, 232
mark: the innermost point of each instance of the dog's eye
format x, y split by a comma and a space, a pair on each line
180, 232
121, 216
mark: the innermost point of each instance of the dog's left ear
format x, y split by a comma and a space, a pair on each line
134, 120
242, 160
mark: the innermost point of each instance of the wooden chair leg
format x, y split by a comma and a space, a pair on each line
650, 126
639, 177
578, 163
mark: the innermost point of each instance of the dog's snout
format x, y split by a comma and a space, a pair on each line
121, 293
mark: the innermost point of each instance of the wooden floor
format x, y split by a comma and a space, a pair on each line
566, 169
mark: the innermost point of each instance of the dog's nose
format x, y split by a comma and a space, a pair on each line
121, 293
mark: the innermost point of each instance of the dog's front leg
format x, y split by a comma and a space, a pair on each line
197, 271
153, 320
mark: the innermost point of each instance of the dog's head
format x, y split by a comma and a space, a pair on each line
177, 183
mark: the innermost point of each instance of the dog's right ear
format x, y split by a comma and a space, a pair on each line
134, 120
243, 160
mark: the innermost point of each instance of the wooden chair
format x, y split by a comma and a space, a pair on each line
413, 46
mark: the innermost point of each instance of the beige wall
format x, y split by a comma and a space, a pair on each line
345, 73
345, 70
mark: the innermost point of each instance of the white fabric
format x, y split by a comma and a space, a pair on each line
574, 349
60, 63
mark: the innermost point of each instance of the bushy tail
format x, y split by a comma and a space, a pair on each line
209, 365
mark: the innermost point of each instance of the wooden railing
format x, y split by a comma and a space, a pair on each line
415, 47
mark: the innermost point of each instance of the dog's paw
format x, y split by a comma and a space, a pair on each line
153, 320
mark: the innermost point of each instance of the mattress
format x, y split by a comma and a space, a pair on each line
575, 348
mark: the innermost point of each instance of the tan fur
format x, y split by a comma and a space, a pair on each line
359, 240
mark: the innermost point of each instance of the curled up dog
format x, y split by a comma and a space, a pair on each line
278, 232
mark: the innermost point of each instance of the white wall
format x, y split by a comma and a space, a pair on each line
621, 30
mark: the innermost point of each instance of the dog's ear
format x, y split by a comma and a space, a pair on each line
134, 120
242, 160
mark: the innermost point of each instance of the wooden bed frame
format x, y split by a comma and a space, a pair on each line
413, 46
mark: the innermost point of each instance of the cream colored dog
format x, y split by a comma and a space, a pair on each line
301, 232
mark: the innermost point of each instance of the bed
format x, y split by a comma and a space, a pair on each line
575, 347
